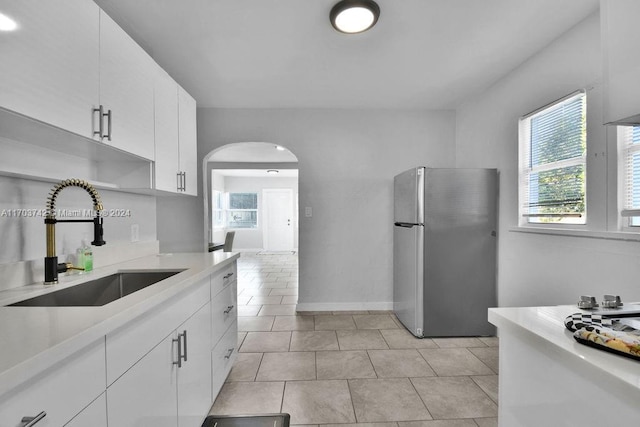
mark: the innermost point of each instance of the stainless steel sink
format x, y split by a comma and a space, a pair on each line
99, 291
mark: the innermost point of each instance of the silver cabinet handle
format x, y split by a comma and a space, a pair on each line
178, 179
32, 421
182, 182
228, 310
179, 361
226, 276
101, 116
182, 344
108, 135
184, 341
229, 353
100, 131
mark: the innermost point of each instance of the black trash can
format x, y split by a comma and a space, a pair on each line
263, 420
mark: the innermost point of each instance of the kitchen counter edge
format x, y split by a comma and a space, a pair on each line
545, 325
25, 354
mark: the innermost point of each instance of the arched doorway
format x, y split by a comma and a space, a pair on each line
251, 188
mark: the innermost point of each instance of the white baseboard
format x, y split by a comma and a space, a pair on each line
345, 306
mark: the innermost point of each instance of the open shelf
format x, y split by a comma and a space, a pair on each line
38, 151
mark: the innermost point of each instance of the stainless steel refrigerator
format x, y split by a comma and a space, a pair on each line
444, 244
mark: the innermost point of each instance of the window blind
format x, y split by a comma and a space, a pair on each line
553, 162
629, 141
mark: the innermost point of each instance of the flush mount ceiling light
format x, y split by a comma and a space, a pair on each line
354, 16
272, 171
6, 23
280, 148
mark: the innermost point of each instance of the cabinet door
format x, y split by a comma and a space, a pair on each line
620, 35
166, 132
146, 394
188, 141
49, 64
127, 345
94, 415
194, 376
61, 392
126, 88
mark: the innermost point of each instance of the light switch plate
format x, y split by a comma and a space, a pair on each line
135, 233
308, 212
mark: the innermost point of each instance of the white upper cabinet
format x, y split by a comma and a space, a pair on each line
65, 60
175, 136
166, 129
620, 35
49, 67
188, 141
126, 90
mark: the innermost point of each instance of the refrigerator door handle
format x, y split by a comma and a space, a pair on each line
405, 224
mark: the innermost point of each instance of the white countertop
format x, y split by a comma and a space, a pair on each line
547, 324
33, 339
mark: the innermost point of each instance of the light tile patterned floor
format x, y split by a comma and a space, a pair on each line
349, 369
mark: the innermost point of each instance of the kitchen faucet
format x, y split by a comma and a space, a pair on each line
51, 266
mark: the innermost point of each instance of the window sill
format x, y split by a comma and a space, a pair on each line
605, 235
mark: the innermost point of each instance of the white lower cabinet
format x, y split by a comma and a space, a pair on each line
194, 376
157, 370
94, 415
61, 392
170, 385
146, 394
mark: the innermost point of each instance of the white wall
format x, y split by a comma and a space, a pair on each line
537, 269
347, 160
250, 239
23, 238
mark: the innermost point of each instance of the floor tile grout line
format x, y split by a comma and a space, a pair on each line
255, 377
420, 396
353, 406
372, 365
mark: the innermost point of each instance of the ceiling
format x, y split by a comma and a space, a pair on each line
285, 54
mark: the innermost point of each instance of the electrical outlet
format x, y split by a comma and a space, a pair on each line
135, 232
308, 212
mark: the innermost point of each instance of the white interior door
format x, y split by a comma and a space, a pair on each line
278, 219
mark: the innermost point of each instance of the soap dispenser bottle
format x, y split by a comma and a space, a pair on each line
87, 257
80, 258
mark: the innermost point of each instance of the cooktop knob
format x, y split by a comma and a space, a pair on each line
612, 301
587, 301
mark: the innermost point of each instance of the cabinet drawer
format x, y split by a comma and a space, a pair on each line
223, 278
224, 311
223, 356
130, 343
62, 391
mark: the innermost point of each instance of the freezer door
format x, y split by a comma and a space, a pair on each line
408, 195
408, 244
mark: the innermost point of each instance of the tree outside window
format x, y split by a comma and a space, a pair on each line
553, 145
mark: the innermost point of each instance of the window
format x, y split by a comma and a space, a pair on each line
629, 175
217, 209
553, 143
242, 211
